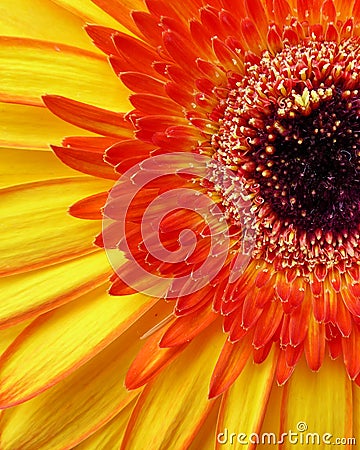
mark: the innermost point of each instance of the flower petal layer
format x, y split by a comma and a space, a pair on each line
120, 10
23, 126
36, 20
36, 231
161, 417
271, 422
205, 436
82, 403
244, 404
98, 120
29, 294
35, 68
111, 434
88, 11
80, 155
61, 341
322, 401
8, 335
25, 166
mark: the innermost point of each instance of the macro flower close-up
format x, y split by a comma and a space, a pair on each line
180, 223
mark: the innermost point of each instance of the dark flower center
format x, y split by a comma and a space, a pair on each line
290, 130
307, 166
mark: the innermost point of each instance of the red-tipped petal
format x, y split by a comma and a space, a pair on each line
90, 207
283, 370
86, 161
350, 347
150, 361
185, 328
315, 344
230, 364
268, 324
98, 120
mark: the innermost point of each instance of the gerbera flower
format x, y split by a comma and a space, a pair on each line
238, 120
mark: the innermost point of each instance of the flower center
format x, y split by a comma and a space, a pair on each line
290, 130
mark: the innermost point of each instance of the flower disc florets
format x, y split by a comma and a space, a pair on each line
290, 131
268, 94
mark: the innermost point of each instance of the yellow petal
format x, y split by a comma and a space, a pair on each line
8, 335
318, 403
42, 19
76, 407
33, 127
271, 424
35, 68
29, 294
110, 435
206, 436
89, 12
252, 389
172, 408
121, 9
35, 229
25, 166
59, 342
356, 409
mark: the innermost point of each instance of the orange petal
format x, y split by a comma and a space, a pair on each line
315, 344
140, 82
185, 328
101, 121
155, 105
268, 323
89, 207
257, 13
350, 347
231, 362
282, 10
127, 46
102, 38
299, 319
328, 12
86, 160
283, 370
343, 317
159, 417
150, 361
253, 387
